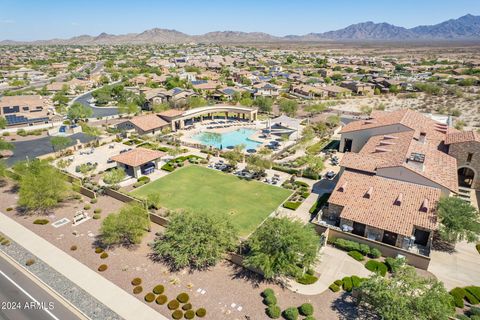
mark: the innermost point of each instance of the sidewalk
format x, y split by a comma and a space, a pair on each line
112, 296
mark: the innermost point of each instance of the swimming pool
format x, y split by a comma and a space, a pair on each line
228, 139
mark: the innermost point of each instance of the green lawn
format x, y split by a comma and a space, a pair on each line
194, 187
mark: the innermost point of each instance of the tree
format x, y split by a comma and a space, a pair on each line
264, 104
78, 111
195, 102
257, 163
247, 102
288, 107
235, 155
314, 164
366, 110
59, 143
114, 176
283, 247
3, 123
126, 227
159, 107
406, 295
196, 239
128, 108
459, 220
42, 187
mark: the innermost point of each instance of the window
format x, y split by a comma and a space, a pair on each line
469, 157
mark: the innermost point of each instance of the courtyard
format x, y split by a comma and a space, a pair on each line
197, 188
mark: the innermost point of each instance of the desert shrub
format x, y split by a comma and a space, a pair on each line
306, 309
173, 304
270, 300
137, 289
183, 297
87, 207
136, 281
189, 314
10, 209
476, 246
187, 306
177, 314
29, 262
364, 249
334, 287
458, 295
375, 253
104, 255
73, 248
149, 297
98, 210
475, 291
307, 279
347, 284
98, 250
102, 267
5, 242
273, 312
158, 289
201, 312
41, 221
96, 216
377, 267
94, 200
268, 292
161, 299
291, 313
356, 255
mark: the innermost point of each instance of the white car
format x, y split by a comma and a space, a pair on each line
330, 174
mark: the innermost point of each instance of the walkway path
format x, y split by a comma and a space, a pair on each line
112, 296
334, 264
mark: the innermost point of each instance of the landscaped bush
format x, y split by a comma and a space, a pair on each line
292, 205
168, 167
268, 292
393, 264
309, 318
356, 255
307, 279
149, 297
187, 306
87, 207
104, 255
73, 248
375, 253
98, 210
96, 216
478, 247
306, 309
458, 295
356, 281
201, 312
183, 297
98, 250
29, 262
102, 267
41, 221
471, 298
364, 249
377, 267
137, 289
475, 291
291, 313
177, 314
158, 289
338, 282
189, 314
273, 312
302, 184
346, 245
94, 200
173, 304
347, 284
270, 300
11, 209
144, 179
161, 299
136, 281
5, 242
334, 287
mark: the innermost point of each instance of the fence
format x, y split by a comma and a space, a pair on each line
155, 218
120, 196
414, 259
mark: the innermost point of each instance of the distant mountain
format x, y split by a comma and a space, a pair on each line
463, 28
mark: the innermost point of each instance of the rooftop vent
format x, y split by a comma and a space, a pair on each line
398, 201
417, 157
424, 207
380, 149
343, 187
388, 137
386, 143
422, 137
368, 194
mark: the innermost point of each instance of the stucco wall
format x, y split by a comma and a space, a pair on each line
460, 151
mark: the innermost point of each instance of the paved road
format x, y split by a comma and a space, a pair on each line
38, 147
18, 292
98, 112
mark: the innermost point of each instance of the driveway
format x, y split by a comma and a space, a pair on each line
458, 269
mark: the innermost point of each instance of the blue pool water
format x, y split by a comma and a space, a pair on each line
224, 140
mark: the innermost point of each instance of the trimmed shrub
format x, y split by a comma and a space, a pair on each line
356, 281
346, 245
476, 246
168, 167
137, 289
102, 267
458, 295
187, 306
104, 255
375, 253
94, 200
29, 262
149, 297
306, 309
177, 314
273, 312
11, 209
189, 314
471, 298
377, 267
475, 291
5, 242
96, 216
292, 205
173, 304
268, 292
356, 255
183, 297
334, 287
98, 210
462, 317
98, 250
309, 318
201, 312
41, 221
158, 289
73, 248
291, 313
270, 300
347, 284
307, 279
338, 282
136, 281
161, 299
364, 249
87, 207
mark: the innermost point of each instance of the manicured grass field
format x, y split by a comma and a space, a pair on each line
198, 188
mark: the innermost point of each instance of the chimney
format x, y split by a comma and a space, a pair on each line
368, 194
422, 137
343, 187
389, 137
424, 207
398, 201
380, 149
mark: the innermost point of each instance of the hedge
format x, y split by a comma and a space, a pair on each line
149, 297
291, 313
319, 203
168, 167
334, 287
173, 304
471, 298
41, 221
458, 295
346, 245
302, 184
270, 300
475, 291
364, 249
356, 255
183, 297
201, 312
158, 289
377, 267
161, 299
347, 284
307, 279
285, 169
273, 312
306, 309
292, 205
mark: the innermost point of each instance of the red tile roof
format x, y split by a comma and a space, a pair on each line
148, 122
138, 157
464, 136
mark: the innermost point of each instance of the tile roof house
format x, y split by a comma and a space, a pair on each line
145, 124
138, 161
465, 147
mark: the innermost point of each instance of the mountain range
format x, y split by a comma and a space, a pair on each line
464, 28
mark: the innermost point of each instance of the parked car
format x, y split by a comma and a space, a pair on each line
330, 175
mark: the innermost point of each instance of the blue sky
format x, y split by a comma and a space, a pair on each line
41, 19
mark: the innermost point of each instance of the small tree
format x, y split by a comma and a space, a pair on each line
288, 107
196, 239
264, 104
126, 227
114, 176
459, 220
234, 156
3, 123
78, 111
59, 143
283, 247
